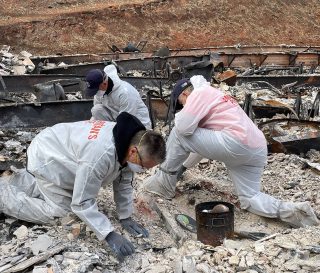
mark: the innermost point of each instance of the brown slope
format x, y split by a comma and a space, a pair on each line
70, 26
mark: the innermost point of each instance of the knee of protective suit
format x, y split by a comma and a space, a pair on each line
161, 184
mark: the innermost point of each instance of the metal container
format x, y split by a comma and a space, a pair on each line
212, 228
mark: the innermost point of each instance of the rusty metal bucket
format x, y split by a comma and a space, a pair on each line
212, 228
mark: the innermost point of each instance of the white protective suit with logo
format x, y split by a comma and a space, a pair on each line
214, 126
122, 98
70, 163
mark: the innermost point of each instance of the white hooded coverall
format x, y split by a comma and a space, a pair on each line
214, 126
122, 98
70, 162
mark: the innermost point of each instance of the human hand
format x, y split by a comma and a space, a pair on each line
120, 245
133, 227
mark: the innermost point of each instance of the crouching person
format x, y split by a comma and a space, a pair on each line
213, 125
68, 164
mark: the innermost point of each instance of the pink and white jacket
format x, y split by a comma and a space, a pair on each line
207, 107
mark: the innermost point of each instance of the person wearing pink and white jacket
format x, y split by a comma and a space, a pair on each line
213, 125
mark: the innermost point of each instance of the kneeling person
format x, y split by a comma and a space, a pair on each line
69, 163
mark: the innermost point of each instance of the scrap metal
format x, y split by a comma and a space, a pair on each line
35, 115
291, 135
78, 58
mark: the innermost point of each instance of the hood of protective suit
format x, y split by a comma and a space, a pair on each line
112, 73
123, 132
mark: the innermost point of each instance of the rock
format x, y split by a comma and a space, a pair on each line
203, 268
58, 258
287, 245
21, 232
40, 270
250, 260
73, 255
232, 244
188, 264
144, 262
158, 269
41, 244
75, 230
259, 247
234, 260
70, 236
242, 264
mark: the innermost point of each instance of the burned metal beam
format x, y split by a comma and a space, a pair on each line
232, 60
280, 80
78, 58
293, 142
25, 83
141, 64
34, 115
30, 115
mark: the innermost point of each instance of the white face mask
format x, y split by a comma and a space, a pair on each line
135, 167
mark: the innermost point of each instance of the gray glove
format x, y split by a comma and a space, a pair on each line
119, 245
133, 227
180, 172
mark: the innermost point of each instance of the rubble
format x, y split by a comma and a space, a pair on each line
15, 64
69, 246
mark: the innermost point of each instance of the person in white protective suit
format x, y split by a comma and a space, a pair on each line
113, 96
214, 126
69, 163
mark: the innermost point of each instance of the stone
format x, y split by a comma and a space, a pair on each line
242, 264
21, 232
250, 260
232, 244
188, 264
41, 244
259, 247
234, 260
58, 258
144, 262
73, 255
287, 245
70, 236
40, 270
203, 268
75, 230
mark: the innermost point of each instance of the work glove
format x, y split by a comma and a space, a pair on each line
180, 172
119, 245
134, 228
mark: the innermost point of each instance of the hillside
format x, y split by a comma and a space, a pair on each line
69, 26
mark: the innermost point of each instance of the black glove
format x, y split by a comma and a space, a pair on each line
180, 172
133, 227
119, 245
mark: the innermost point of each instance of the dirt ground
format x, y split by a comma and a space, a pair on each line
69, 26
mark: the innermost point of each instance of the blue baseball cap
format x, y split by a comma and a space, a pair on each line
177, 90
94, 78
